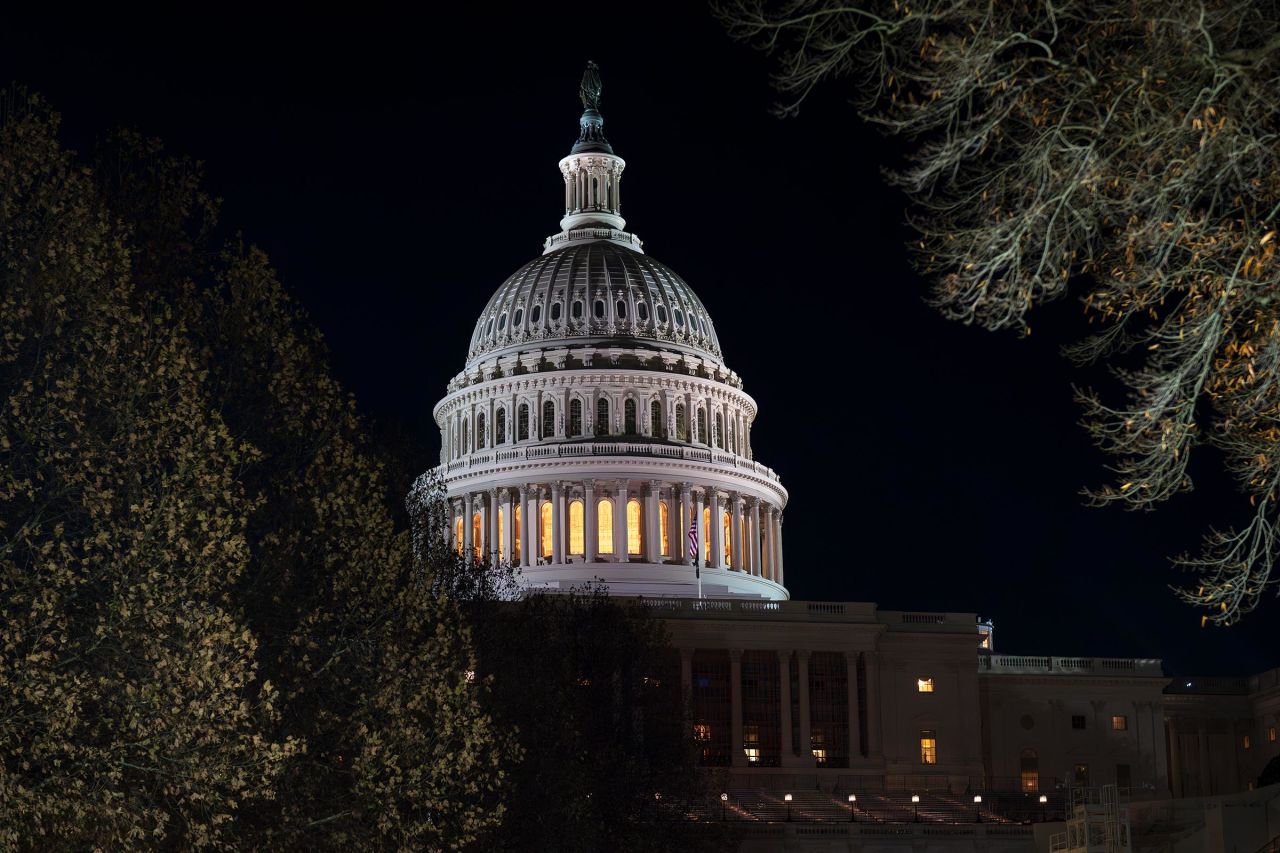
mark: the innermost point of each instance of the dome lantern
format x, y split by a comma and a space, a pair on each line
592, 172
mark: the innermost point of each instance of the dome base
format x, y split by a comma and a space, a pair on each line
652, 580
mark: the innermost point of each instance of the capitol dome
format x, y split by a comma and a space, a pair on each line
595, 431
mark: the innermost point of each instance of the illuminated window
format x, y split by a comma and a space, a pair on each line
1030, 771
457, 534
604, 526
817, 745
1271, 734
633, 527
655, 420
477, 531
746, 543
502, 531
928, 747
682, 425
1077, 721
548, 419
544, 513
664, 535
500, 422
1245, 742
522, 423
751, 743
602, 416
726, 524
629, 418
575, 417
480, 430
706, 534
1119, 723
577, 527
701, 731
924, 685
515, 555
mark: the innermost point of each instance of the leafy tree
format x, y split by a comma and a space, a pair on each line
590, 684
131, 707
371, 662
1125, 150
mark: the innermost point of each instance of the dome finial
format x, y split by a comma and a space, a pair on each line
591, 132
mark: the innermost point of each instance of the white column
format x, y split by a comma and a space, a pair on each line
717, 531
509, 523
620, 522
739, 552
558, 532
697, 521
467, 532
589, 519
778, 566
755, 538
766, 563
492, 546
652, 521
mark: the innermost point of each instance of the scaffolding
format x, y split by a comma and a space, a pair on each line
1096, 823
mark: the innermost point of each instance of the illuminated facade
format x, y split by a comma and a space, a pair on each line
596, 432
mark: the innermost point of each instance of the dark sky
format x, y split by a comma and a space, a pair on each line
398, 169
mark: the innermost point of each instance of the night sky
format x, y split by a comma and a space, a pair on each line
398, 169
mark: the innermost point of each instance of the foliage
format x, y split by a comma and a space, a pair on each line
1128, 147
131, 710
214, 632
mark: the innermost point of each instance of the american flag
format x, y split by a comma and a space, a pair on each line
693, 546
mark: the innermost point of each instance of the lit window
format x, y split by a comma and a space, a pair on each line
545, 511
502, 533
1271, 734
928, 747
477, 535
604, 526
664, 533
1119, 723
727, 525
706, 534
751, 743
1077, 721
924, 685
1030, 771
1245, 742
457, 537
702, 731
517, 530
817, 745
577, 527
633, 527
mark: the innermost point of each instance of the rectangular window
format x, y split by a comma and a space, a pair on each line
1271, 734
1082, 775
928, 747
1245, 742
1119, 723
1077, 721
924, 685
1124, 778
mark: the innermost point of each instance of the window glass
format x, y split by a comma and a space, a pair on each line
633, 527
515, 533
602, 416
662, 313
477, 536
502, 322
679, 315
621, 308
555, 312
1030, 772
1077, 721
604, 526
517, 317
664, 524
1119, 723
536, 314
576, 311
727, 526
642, 311
928, 746
598, 309
924, 685
577, 527
547, 544
548, 419
575, 417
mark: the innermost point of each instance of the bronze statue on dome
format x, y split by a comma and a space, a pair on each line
589, 90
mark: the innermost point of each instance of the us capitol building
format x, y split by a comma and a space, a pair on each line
597, 432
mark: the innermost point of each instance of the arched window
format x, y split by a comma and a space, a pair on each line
577, 527
548, 419
547, 542
682, 423
458, 541
595, 192
602, 416
500, 422
517, 317
633, 527
598, 309
466, 445
477, 536
535, 314
522, 423
604, 526
1030, 771
732, 446
662, 314
720, 429
502, 534
575, 417
620, 309
702, 424
575, 310
480, 431
516, 531
655, 420
629, 418
642, 312
555, 312
706, 534
727, 538
664, 529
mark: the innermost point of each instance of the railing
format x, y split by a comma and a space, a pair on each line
734, 608
1016, 665
579, 449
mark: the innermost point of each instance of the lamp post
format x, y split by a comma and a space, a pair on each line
787, 799
1044, 808
977, 807
724, 806
853, 807
915, 807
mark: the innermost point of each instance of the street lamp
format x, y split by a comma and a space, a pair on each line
915, 807
977, 807
787, 799
853, 806
724, 805
1044, 799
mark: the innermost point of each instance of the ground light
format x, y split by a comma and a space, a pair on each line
724, 806
853, 806
915, 807
787, 799
977, 807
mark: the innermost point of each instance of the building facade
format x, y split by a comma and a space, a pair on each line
596, 431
